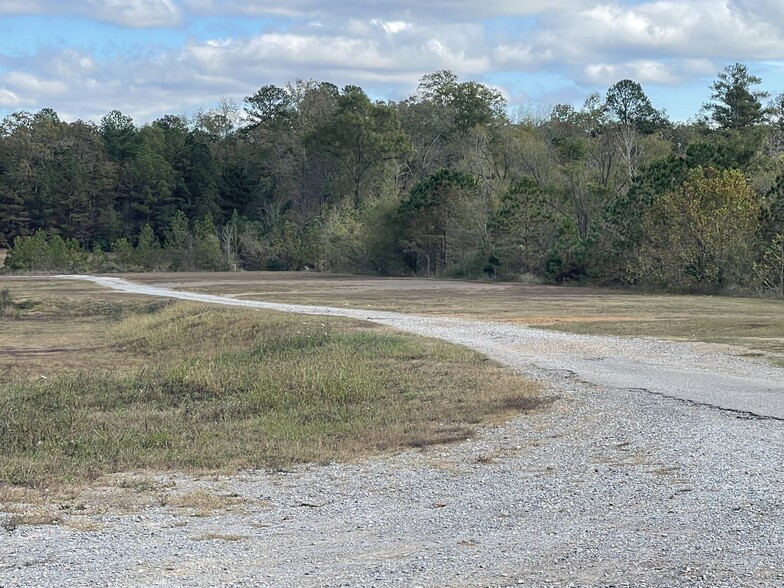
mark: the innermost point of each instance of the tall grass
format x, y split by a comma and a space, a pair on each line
204, 388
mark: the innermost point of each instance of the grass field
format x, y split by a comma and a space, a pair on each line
94, 382
753, 323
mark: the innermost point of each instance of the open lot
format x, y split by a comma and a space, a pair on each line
614, 479
757, 324
92, 382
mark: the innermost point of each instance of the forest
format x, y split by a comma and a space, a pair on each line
448, 182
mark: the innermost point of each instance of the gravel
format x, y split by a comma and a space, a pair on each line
618, 483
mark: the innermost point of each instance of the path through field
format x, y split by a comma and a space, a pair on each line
631, 478
701, 373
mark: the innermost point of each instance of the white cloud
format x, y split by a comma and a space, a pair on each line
124, 13
668, 28
392, 27
662, 42
24, 6
26, 83
135, 13
386, 46
9, 99
418, 10
641, 71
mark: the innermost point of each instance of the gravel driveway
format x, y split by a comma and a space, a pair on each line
633, 477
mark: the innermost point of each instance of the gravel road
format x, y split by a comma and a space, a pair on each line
659, 464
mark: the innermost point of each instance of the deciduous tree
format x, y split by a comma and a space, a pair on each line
701, 234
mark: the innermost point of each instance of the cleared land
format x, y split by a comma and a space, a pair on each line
607, 485
757, 324
93, 383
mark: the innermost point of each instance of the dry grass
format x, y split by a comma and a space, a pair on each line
756, 324
147, 385
84, 525
219, 537
13, 521
60, 326
203, 502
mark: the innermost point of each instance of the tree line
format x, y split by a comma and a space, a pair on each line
447, 182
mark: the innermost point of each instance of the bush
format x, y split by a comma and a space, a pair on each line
41, 253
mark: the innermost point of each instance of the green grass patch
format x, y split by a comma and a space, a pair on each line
199, 388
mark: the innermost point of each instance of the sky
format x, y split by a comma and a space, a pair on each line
148, 58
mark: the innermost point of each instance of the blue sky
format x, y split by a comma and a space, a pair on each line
148, 58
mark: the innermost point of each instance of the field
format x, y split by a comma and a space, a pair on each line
94, 382
753, 323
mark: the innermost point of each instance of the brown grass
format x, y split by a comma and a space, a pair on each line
203, 502
219, 537
753, 323
142, 384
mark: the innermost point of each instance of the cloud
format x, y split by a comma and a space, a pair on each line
392, 27
135, 13
567, 46
30, 84
429, 11
9, 99
124, 13
665, 28
664, 42
357, 51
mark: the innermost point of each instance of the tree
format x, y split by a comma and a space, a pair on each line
150, 182
119, 135
620, 232
627, 104
633, 114
29, 253
521, 227
148, 247
270, 106
700, 235
207, 245
42, 253
769, 266
734, 104
769, 269
471, 104
360, 137
179, 242
218, 122
439, 222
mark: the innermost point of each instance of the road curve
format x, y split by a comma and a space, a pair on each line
694, 372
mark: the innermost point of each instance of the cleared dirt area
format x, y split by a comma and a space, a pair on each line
754, 324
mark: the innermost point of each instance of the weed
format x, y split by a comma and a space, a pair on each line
203, 502
14, 521
8, 308
219, 537
84, 525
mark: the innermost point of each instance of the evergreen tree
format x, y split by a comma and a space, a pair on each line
734, 103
